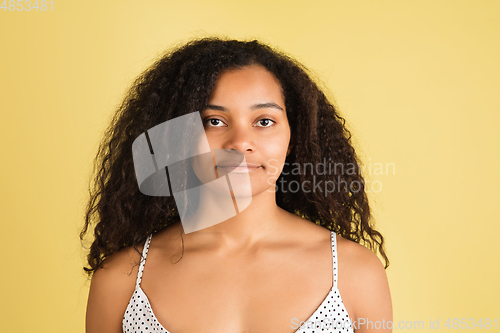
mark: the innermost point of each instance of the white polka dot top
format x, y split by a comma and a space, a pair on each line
330, 316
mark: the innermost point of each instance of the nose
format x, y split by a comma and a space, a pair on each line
239, 138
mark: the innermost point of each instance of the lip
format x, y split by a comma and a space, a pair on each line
235, 165
240, 168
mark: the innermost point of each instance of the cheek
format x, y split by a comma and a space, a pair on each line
203, 163
275, 154
214, 142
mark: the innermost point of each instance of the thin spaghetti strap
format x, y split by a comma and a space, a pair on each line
143, 260
334, 258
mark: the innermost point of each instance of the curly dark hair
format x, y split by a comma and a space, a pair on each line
181, 82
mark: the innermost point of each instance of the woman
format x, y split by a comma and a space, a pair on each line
272, 266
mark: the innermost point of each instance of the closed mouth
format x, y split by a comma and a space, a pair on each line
240, 168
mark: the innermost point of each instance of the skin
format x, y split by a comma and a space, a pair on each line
256, 271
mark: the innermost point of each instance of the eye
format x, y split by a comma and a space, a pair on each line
266, 122
214, 122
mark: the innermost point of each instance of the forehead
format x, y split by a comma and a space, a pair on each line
247, 84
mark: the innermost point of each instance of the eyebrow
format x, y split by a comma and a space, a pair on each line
254, 107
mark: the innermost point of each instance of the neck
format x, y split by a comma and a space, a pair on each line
258, 223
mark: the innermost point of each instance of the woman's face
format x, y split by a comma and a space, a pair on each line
246, 112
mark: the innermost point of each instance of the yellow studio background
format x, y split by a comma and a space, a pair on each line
418, 82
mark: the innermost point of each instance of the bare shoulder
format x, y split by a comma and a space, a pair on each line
359, 259
363, 282
307, 230
112, 285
